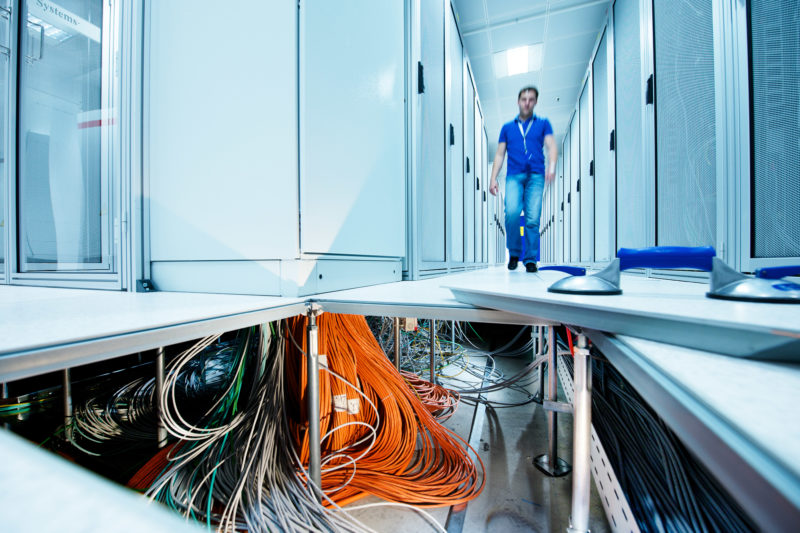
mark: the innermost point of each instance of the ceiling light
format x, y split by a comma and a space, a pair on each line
518, 60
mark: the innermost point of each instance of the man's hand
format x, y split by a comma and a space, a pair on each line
552, 157
498, 162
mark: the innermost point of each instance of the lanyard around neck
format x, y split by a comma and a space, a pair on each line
524, 133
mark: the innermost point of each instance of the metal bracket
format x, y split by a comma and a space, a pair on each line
559, 407
145, 285
577, 350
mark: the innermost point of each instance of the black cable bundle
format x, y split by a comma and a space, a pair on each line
118, 412
667, 488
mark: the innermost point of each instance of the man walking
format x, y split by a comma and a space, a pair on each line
524, 138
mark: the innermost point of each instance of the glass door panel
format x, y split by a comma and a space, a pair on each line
63, 180
5, 60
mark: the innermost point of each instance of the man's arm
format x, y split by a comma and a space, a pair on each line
552, 157
499, 157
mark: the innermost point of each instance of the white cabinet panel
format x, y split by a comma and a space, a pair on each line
220, 138
629, 80
478, 140
469, 170
431, 179
604, 182
558, 198
484, 195
352, 127
566, 196
586, 193
455, 119
575, 198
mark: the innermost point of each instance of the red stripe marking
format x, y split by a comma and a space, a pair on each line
95, 123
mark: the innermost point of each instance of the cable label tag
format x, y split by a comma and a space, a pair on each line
353, 405
340, 403
323, 360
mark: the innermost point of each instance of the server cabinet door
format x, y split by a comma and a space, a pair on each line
66, 186
469, 167
772, 236
586, 189
566, 195
550, 217
604, 187
454, 128
548, 225
477, 197
492, 224
686, 170
5, 127
352, 108
226, 191
554, 215
630, 100
432, 179
558, 212
575, 174
484, 196
542, 224
501, 231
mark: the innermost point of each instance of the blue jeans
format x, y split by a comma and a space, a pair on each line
523, 192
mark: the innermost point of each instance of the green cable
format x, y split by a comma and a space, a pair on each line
211, 486
475, 332
191, 484
57, 432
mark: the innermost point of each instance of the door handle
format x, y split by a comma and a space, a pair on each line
649, 92
5, 13
28, 56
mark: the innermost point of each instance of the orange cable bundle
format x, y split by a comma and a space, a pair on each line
377, 436
440, 401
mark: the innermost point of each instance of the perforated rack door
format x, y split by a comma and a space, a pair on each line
686, 170
775, 71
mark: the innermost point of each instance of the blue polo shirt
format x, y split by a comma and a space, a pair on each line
519, 161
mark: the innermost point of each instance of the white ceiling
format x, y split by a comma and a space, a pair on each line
568, 29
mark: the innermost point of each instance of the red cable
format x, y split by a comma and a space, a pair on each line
569, 340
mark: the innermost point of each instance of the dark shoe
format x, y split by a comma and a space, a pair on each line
513, 262
531, 267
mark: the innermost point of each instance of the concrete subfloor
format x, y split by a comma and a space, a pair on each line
517, 496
